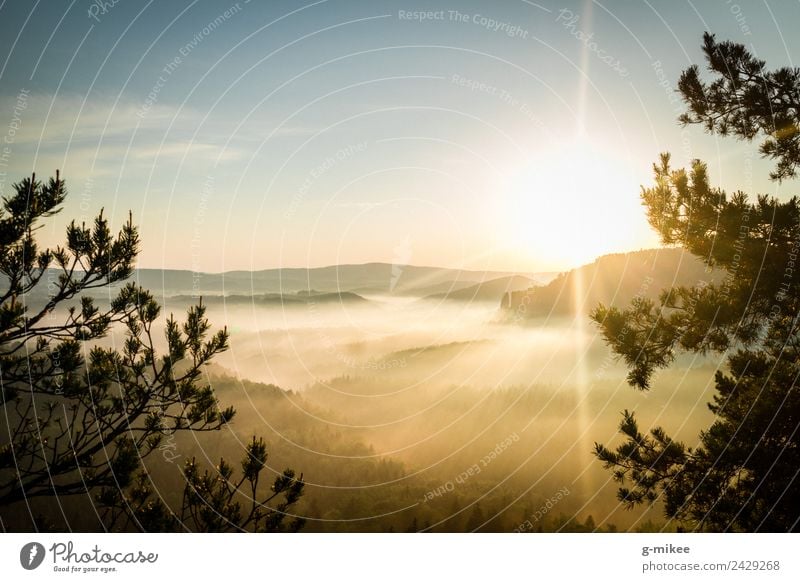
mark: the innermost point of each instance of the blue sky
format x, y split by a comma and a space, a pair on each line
250, 135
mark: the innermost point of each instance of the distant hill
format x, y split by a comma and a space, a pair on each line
366, 279
493, 290
611, 279
272, 284
299, 298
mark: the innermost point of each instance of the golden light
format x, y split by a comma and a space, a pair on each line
572, 203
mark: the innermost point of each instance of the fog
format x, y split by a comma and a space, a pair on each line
386, 404
416, 341
430, 415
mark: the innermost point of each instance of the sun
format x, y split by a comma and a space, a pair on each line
572, 203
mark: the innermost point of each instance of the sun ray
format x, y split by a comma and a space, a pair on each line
578, 291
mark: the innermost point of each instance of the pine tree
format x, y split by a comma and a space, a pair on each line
747, 101
79, 418
744, 475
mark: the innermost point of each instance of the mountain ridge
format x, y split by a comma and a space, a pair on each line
366, 278
492, 290
613, 279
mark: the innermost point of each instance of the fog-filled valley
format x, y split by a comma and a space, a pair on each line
411, 411
391, 403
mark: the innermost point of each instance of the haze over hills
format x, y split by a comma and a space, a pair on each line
493, 290
284, 299
613, 280
365, 279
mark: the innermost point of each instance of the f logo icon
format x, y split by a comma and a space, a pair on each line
31, 555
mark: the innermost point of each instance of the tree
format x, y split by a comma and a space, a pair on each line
78, 417
746, 100
744, 475
224, 512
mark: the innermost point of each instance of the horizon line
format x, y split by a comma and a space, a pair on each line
472, 270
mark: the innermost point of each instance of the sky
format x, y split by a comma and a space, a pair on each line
508, 136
